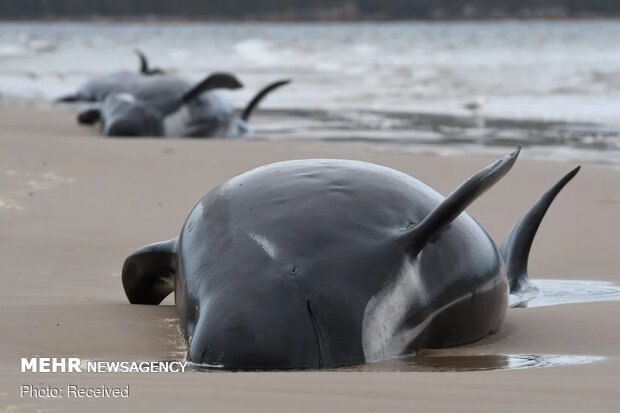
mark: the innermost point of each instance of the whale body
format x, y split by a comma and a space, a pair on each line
325, 263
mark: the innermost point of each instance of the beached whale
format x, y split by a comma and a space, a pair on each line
158, 108
323, 263
99, 87
213, 116
143, 111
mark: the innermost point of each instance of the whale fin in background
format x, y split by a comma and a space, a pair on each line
214, 81
419, 235
515, 249
144, 65
260, 96
148, 274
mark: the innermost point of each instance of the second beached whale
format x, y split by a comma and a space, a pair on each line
159, 108
322, 263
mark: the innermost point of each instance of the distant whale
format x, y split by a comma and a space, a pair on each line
143, 110
154, 109
212, 116
324, 263
99, 87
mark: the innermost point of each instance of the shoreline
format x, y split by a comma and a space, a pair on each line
432, 134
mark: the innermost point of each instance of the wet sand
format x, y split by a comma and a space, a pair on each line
73, 205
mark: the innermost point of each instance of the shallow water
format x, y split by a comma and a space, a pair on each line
452, 363
445, 134
416, 66
473, 363
391, 85
556, 292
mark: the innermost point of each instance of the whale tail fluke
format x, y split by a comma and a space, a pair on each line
247, 112
422, 233
515, 249
148, 274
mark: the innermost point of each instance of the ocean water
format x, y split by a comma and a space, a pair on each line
552, 85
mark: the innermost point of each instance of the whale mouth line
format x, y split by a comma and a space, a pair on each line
316, 328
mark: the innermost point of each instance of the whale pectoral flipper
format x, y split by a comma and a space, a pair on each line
148, 274
89, 116
419, 235
515, 249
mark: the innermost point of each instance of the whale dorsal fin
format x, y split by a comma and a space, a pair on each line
148, 274
144, 63
419, 235
515, 249
214, 81
260, 96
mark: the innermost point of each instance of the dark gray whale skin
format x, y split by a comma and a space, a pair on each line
323, 263
99, 87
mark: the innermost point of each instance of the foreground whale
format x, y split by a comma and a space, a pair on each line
99, 87
158, 108
323, 263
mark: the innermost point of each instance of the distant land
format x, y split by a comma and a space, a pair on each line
306, 10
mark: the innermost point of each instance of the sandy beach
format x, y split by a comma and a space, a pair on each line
73, 205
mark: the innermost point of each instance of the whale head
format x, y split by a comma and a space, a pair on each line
124, 115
